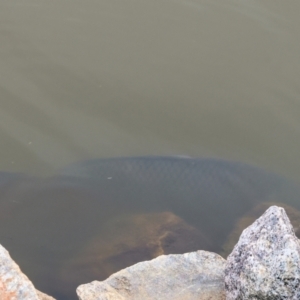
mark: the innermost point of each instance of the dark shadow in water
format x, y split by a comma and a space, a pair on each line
48, 225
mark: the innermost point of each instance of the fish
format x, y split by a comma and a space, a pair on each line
206, 188
46, 220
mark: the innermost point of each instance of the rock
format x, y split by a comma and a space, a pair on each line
251, 216
43, 296
197, 275
265, 264
130, 239
14, 285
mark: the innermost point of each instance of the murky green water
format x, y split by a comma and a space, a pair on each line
97, 79
85, 79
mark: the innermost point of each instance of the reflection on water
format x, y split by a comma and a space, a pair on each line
92, 79
99, 216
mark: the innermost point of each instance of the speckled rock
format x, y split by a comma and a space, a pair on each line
265, 263
196, 275
42, 296
14, 285
248, 218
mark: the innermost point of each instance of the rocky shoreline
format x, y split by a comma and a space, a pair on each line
264, 264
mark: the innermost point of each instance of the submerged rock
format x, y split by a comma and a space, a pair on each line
130, 239
251, 216
197, 275
265, 263
14, 285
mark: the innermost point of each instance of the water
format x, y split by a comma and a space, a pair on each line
98, 79
100, 216
114, 78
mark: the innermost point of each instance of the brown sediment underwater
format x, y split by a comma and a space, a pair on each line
128, 239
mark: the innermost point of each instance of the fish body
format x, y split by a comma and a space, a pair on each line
195, 188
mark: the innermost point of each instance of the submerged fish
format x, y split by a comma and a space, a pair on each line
214, 190
45, 221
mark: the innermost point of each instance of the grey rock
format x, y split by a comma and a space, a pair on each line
196, 275
253, 214
265, 263
14, 285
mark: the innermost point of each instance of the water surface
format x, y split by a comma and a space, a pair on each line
120, 78
97, 79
